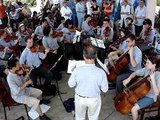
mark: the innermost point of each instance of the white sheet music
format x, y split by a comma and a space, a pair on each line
76, 37
72, 64
97, 42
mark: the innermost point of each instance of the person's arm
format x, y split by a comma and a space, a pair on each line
126, 81
22, 87
46, 52
154, 84
132, 58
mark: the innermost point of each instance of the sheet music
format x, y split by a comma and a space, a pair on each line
72, 64
76, 37
104, 67
97, 42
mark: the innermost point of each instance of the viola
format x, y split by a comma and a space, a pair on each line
127, 99
118, 67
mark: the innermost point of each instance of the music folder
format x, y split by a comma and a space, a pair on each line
72, 64
97, 42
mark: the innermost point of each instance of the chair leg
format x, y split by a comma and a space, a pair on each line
26, 111
5, 114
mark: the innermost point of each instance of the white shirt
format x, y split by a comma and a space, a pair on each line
89, 10
64, 11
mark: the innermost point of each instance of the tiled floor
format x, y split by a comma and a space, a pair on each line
57, 111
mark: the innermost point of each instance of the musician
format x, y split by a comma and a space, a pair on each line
30, 96
3, 15
61, 26
50, 20
88, 81
39, 29
121, 44
51, 43
154, 79
68, 39
135, 56
87, 29
33, 59
21, 34
147, 35
129, 25
6, 43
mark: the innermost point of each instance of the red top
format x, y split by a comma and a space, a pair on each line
3, 13
108, 8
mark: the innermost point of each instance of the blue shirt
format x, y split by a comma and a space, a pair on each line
87, 28
14, 82
29, 58
39, 30
144, 72
88, 80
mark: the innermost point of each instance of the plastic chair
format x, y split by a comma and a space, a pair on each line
151, 108
7, 101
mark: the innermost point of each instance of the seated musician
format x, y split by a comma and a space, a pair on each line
51, 43
119, 46
61, 26
39, 29
87, 29
33, 59
7, 46
21, 34
107, 31
30, 96
147, 35
135, 56
154, 79
129, 25
68, 39
50, 20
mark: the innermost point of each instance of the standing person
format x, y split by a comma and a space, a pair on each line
30, 96
139, 16
154, 79
108, 9
80, 9
66, 11
88, 81
72, 5
3, 15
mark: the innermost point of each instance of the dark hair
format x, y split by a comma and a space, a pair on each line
46, 30
90, 52
27, 38
11, 63
43, 20
87, 16
62, 18
147, 21
132, 37
67, 23
154, 60
129, 18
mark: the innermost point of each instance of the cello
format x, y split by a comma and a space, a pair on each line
119, 66
127, 99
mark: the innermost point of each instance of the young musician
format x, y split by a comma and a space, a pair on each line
154, 79
88, 81
147, 35
122, 46
135, 56
33, 59
129, 25
30, 96
7, 46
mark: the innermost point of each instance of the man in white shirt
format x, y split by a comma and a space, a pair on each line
66, 11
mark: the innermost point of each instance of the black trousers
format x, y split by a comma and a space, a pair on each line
41, 71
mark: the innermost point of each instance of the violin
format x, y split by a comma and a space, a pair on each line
93, 23
39, 48
57, 34
73, 29
23, 71
14, 49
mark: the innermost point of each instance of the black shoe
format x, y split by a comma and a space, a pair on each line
44, 117
45, 101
